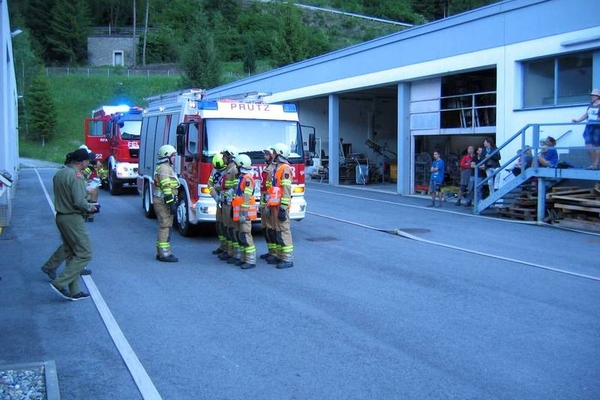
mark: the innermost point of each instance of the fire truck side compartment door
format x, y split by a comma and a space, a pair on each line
95, 138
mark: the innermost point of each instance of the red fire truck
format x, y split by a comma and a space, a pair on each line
199, 128
113, 133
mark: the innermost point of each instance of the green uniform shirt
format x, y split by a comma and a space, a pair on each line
70, 196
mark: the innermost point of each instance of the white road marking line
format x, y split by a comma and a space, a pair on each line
136, 369
138, 373
418, 239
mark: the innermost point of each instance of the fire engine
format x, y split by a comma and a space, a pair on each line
199, 127
113, 133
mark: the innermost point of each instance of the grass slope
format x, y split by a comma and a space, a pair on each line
76, 96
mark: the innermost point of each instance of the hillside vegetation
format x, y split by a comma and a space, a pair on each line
76, 96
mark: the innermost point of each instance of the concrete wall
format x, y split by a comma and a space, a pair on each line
102, 50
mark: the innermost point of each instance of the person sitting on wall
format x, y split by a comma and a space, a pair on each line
548, 157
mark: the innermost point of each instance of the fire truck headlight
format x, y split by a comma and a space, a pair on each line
298, 190
208, 210
297, 208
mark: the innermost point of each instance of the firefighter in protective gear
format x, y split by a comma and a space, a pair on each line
215, 185
165, 200
233, 253
265, 222
244, 211
280, 198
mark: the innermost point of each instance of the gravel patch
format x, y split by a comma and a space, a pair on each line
35, 381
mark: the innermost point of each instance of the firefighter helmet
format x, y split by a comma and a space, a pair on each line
281, 149
230, 151
243, 161
166, 151
218, 162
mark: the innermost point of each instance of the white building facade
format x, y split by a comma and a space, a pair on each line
448, 84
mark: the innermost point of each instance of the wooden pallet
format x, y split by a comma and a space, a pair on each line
516, 212
577, 208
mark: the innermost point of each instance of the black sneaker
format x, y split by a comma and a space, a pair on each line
232, 260
80, 296
61, 292
217, 251
50, 272
224, 256
85, 272
247, 266
239, 263
264, 256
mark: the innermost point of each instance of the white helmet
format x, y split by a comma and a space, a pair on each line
281, 149
83, 146
166, 151
230, 152
243, 161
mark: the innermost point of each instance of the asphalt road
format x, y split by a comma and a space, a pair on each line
387, 300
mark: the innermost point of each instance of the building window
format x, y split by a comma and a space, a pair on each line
557, 81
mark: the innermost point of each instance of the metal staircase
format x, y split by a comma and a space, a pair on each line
530, 136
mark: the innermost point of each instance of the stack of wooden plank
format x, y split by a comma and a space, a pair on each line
576, 207
523, 208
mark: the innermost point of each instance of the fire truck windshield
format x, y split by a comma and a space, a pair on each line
130, 130
252, 136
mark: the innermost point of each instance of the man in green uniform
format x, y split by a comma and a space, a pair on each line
60, 254
71, 205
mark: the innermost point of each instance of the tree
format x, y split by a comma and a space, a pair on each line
291, 44
200, 62
43, 116
249, 57
67, 39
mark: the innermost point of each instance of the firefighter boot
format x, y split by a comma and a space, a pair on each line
249, 260
166, 255
287, 261
237, 254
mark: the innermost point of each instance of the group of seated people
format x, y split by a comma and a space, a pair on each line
548, 156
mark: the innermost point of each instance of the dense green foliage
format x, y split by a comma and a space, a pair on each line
211, 41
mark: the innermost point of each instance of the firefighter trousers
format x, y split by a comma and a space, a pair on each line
247, 243
165, 222
283, 235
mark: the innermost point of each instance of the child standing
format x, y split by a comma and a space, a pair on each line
437, 178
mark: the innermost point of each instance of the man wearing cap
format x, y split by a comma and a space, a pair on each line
71, 206
548, 157
591, 133
60, 254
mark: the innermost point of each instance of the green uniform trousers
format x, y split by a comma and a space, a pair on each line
76, 248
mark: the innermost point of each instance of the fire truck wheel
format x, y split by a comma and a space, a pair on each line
114, 186
182, 219
146, 203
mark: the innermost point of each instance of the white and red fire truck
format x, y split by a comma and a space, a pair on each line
199, 128
113, 133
